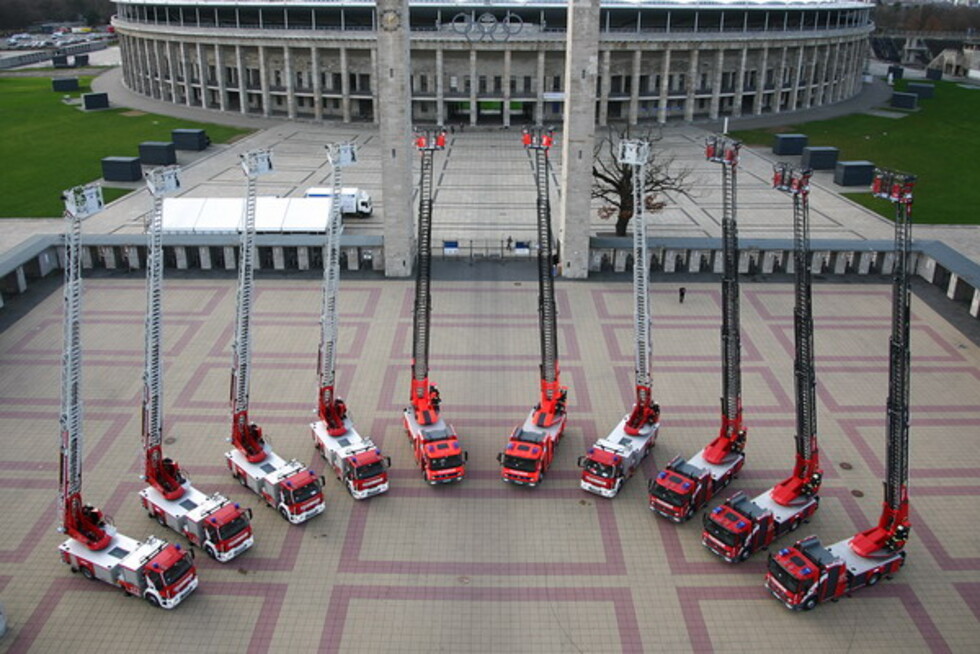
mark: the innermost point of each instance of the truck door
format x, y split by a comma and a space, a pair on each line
833, 578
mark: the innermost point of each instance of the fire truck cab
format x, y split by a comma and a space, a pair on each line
808, 573
740, 527
287, 486
213, 523
615, 458
530, 450
684, 486
355, 459
437, 450
162, 574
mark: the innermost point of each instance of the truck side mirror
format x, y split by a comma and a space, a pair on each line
248, 512
323, 482
500, 457
466, 456
581, 462
387, 462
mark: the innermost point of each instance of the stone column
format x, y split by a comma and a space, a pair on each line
581, 63
692, 86
604, 84
172, 52
634, 113
440, 89
158, 77
317, 89
835, 68
287, 58
539, 100
474, 85
664, 87
760, 84
344, 86
716, 84
395, 116
780, 74
794, 97
202, 67
264, 79
740, 85
219, 70
242, 80
188, 74
506, 89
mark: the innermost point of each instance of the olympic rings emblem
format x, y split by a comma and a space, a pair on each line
487, 26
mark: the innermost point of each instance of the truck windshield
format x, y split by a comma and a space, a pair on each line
520, 463
177, 570
370, 470
600, 469
785, 579
446, 462
233, 528
303, 493
719, 532
667, 495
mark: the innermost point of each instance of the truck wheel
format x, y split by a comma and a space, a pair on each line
87, 573
810, 604
152, 599
689, 513
874, 579
744, 556
160, 519
209, 550
284, 514
793, 526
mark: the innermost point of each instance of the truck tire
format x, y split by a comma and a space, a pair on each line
152, 599
161, 520
810, 604
284, 514
209, 550
745, 554
87, 573
793, 526
874, 579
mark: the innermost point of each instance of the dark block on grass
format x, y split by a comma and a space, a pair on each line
161, 153
823, 157
934, 73
190, 139
922, 90
95, 101
897, 72
64, 84
905, 100
854, 173
60, 61
789, 143
81, 60
121, 169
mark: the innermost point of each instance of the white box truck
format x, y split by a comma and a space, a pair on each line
353, 201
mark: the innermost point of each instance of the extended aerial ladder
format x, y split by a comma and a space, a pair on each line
354, 458
531, 447
435, 444
739, 527
82, 522
246, 436
613, 459
153, 569
892, 531
808, 573
160, 472
684, 487
288, 486
807, 475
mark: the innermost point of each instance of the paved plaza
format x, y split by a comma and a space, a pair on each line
483, 566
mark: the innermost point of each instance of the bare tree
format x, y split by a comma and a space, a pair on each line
613, 183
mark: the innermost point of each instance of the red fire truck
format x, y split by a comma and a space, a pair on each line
531, 447
435, 443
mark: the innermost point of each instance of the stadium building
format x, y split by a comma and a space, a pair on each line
499, 62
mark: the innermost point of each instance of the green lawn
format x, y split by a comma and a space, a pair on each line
49, 146
937, 143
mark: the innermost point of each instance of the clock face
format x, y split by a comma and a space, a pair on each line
390, 20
